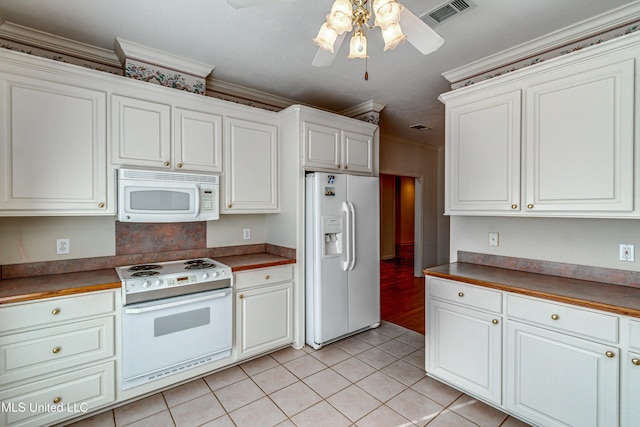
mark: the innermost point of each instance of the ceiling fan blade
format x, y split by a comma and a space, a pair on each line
325, 58
419, 34
240, 4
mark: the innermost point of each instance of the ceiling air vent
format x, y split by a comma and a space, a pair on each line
446, 11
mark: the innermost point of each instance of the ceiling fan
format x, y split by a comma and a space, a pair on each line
346, 15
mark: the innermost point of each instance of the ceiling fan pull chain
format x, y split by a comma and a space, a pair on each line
366, 69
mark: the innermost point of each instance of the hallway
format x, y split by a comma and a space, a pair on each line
401, 294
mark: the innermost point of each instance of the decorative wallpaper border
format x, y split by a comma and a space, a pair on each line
560, 51
143, 71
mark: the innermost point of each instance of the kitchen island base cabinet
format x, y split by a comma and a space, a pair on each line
264, 310
559, 380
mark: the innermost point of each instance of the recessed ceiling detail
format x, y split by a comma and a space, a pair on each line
446, 11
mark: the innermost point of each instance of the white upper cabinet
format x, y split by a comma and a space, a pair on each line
53, 147
250, 167
142, 134
484, 141
579, 138
332, 145
554, 139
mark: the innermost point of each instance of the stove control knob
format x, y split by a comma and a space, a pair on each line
158, 282
146, 284
205, 275
214, 274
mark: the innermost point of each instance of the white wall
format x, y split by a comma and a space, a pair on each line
592, 242
33, 239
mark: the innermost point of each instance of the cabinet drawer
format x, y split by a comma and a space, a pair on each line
50, 310
564, 317
43, 351
634, 333
467, 295
263, 276
65, 396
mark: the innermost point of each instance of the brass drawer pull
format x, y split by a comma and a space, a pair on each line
57, 400
529, 206
267, 277
240, 296
495, 321
554, 317
55, 311
635, 361
179, 165
167, 163
101, 205
57, 350
610, 354
460, 294
514, 206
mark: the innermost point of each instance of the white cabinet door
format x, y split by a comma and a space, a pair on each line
322, 146
631, 393
483, 154
264, 318
140, 132
52, 148
464, 348
559, 380
197, 141
580, 139
250, 167
357, 153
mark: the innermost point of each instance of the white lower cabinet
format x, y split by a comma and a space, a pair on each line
264, 310
559, 380
57, 360
545, 362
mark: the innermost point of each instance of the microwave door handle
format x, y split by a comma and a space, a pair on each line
141, 310
197, 196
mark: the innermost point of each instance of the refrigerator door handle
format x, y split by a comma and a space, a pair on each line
347, 246
352, 237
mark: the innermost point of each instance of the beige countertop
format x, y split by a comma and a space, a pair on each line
600, 296
55, 285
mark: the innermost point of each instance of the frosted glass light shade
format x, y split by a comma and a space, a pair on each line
341, 16
326, 38
387, 12
393, 36
358, 46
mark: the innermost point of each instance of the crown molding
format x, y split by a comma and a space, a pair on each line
29, 36
125, 49
221, 89
363, 108
587, 28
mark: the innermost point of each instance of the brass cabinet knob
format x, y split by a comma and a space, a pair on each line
267, 277
55, 311
610, 354
57, 350
167, 164
57, 400
338, 166
179, 165
530, 206
240, 296
514, 206
229, 206
345, 167
555, 317
635, 361
495, 321
101, 205
460, 294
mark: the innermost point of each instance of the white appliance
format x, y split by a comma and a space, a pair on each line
176, 316
157, 196
342, 256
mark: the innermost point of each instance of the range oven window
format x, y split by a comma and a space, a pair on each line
181, 322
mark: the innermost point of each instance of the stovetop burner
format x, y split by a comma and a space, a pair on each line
145, 267
198, 264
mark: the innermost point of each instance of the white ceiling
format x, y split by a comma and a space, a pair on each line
269, 48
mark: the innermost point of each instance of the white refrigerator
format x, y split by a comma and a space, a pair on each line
342, 260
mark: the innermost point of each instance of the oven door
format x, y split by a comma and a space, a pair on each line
171, 335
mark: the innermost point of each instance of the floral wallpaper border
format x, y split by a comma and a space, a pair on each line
143, 71
562, 50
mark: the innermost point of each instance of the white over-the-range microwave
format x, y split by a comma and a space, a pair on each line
159, 196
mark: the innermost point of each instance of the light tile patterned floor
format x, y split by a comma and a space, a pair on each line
374, 379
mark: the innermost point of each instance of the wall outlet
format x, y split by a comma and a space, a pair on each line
493, 239
246, 234
62, 246
626, 252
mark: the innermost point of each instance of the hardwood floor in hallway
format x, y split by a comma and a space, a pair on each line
401, 294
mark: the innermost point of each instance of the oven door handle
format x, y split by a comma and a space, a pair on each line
133, 310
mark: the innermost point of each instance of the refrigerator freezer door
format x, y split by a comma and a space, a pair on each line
364, 278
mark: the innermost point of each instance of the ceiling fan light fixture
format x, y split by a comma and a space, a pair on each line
387, 12
358, 46
393, 36
339, 22
326, 37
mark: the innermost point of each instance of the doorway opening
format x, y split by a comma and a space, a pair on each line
401, 279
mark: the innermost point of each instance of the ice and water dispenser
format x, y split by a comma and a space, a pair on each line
332, 232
